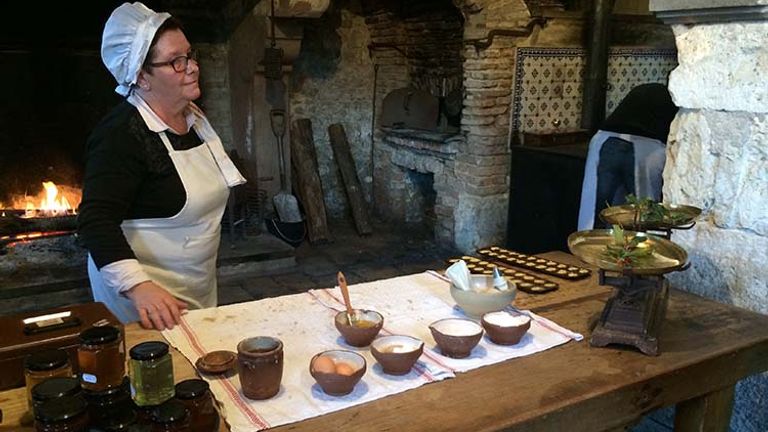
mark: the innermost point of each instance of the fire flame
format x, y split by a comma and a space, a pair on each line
52, 201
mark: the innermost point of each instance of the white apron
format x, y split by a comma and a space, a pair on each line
179, 253
650, 156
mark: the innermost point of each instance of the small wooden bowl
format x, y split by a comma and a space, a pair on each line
216, 362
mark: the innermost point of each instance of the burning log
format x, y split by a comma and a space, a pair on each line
11, 223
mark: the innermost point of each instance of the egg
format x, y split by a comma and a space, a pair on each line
344, 369
324, 364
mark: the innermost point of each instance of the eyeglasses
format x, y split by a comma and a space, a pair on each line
180, 63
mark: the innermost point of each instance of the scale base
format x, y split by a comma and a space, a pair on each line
634, 314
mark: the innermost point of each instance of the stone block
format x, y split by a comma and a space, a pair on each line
704, 80
480, 221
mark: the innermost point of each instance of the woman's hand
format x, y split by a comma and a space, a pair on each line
157, 308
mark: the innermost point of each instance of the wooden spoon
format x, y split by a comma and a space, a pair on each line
345, 293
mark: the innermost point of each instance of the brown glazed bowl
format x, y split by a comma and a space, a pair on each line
341, 382
456, 336
504, 328
368, 324
397, 354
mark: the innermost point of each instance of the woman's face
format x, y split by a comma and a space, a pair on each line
167, 84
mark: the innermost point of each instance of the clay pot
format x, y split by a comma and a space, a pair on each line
397, 354
456, 336
260, 366
368, 324
338, 384
505, 329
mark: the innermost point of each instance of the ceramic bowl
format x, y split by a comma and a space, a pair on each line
366, 327
348, 367
397, 354
504, 328
456, 336
483, 297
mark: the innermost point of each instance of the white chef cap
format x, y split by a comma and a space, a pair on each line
125, 43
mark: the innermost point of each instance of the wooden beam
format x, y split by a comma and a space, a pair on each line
708, 413
349, 176
308, 186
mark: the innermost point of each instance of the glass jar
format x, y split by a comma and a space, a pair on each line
55, 388
101, 357
151, 371
104, 406
171, 416
43, 365
65, 414
196, 396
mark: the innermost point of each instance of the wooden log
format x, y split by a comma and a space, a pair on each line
349, 176
11, 225
307, 180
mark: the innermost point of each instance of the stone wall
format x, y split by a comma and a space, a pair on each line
717, 159
333, 83
214, 87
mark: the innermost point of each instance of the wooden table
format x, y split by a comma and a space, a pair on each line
706, 347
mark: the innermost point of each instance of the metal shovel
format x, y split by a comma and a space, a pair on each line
285, 203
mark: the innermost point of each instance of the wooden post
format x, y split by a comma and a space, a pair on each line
349, 176
707, 413
307, 180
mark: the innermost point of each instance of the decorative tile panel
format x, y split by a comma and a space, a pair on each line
549, 83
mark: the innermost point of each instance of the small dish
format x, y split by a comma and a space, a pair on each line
397, 353
504, 328
456, 337
367, 324
216, 362
337, 371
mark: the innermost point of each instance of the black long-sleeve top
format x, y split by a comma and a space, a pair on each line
128, 175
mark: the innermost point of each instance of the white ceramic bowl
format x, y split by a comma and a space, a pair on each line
483, 298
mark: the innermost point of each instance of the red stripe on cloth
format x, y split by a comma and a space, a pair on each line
235, 395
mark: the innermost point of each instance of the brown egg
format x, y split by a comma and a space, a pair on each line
324, 364
344, 369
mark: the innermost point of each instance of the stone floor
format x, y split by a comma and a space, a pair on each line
390, 251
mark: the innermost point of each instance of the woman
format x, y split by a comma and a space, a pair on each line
157, 177
628, 153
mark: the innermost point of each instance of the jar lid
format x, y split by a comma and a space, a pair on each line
99, 335
170, 411
54, 388
124, 389
119, 420
60, 409
46, 360
149, 350
191, 388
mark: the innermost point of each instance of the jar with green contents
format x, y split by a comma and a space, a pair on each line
151, 371
43, 365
